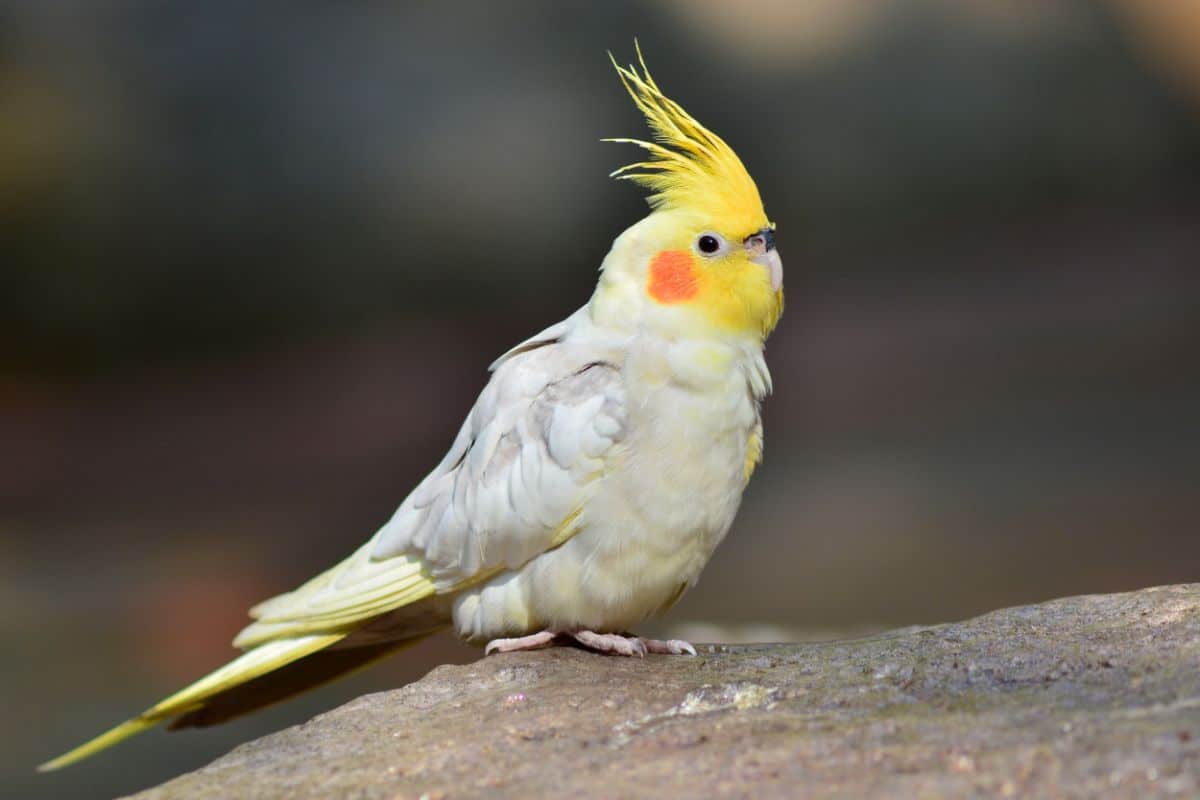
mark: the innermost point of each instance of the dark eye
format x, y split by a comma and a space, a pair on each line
708, 244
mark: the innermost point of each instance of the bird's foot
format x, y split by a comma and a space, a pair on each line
631, 645
531, 642
672, 647
611, 643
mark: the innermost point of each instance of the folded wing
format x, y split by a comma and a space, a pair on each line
513, 485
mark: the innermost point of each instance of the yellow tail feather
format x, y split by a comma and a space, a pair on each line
101, 742
250, 665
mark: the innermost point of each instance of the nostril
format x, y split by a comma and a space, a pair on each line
761, 242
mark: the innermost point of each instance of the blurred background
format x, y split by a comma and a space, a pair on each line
255, 259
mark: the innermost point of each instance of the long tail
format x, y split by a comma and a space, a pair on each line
267, 674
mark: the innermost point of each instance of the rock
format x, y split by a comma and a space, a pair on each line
1082, 697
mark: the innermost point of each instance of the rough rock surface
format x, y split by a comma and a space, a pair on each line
1083, 697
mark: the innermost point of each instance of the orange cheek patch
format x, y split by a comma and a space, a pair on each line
672, 277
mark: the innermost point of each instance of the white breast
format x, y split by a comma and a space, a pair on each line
665, 502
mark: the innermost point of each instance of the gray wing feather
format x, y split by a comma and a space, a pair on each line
523, 464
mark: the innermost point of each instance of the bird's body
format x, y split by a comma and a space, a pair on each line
679, 422
591, 482
593, 478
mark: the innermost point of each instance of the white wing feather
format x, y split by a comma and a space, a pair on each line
512, 484
520, 468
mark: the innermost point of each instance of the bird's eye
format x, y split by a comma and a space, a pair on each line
708, 244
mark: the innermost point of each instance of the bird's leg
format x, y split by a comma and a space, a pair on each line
531, 642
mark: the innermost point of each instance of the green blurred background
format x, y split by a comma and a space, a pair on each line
255, 258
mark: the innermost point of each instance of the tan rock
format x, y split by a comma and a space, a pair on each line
1082, 697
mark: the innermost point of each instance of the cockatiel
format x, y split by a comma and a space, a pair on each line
592, 480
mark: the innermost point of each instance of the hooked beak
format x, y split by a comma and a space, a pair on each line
761, 247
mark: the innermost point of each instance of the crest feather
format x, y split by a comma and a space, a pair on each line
689, 167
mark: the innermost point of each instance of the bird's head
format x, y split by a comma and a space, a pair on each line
705, 259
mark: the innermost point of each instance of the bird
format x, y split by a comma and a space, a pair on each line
595, 475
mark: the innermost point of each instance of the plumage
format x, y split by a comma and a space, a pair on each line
592, 480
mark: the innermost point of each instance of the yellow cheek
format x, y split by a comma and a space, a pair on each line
737, 297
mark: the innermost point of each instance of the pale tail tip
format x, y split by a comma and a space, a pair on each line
101, 742
65, 760
52, 764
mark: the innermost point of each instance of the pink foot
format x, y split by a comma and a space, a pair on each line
611, 643
673, 647
531, 642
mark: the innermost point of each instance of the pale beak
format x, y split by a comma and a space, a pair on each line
774, 265
761, 247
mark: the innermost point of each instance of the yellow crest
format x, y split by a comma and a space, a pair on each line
690, 167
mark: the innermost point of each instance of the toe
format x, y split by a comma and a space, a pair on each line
534, 641
674, 647
611, 643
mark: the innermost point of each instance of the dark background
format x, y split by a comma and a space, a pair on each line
255, 258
